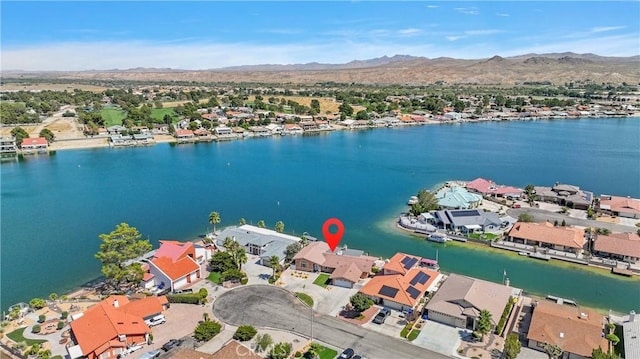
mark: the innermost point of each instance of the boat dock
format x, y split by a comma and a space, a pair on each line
536, 255
621, 271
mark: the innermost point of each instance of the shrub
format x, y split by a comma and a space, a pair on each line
60, 325
263, 342
244, 333
297, 355
504, 317
280, 351
360, 302
206, 330
273, 279
244, 280
37, 303
64, 315
36, 329
232, 274
42, 318
189, 298
375, 270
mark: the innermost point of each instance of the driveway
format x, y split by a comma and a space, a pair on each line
269, 306
439, 338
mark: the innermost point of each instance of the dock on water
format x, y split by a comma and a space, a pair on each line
621, 271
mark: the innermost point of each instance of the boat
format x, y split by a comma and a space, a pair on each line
523, 253
430, 263
413, 200
438, 238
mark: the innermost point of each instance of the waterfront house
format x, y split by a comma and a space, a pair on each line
274, 129
402, 292
260, 131
460, 299
546, 235
32, 145
143, 138
116, 129
347, 266
578, 331
222, 131
260, 242
620, 246
8, 145
109, 327
175, 265
466, 220
565, 195
400, 263
456, 197
308, 125
630, 335
619, 206
184, 135
292, 129
489, 188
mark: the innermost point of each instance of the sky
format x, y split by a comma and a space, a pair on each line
82, 35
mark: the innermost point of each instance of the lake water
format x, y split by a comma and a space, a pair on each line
54, 207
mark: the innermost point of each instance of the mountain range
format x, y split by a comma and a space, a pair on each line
555, 68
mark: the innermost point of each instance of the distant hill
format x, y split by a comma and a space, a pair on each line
399, 69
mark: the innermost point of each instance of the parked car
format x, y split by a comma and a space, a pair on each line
179, 291
157, 320
381, 316
347, 354
356, 357
150, 355
171, 344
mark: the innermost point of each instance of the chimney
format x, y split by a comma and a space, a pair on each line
561, 335
115, 303
632, 316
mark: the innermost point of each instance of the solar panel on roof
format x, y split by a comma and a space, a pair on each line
404, 260
413, 292
469, 213
421, 278
410, 262
388, 291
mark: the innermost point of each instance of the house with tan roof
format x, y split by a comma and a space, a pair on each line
620, 246
401, 291
490, 189
400, 263
546, 235
578, 331
620, 206
565, 195
109, 327
347, 266
173, 266
460, 299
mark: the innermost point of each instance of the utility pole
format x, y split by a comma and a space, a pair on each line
311, 323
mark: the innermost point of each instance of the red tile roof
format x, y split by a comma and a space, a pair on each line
402, 284
625, 244
145, 307
174, 249
178, 269
547, 233
395, 263
34, 141
620, 204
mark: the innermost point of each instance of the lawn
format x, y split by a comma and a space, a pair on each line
322, 280
305, 298
483, 236
413, 335
327, 353
17, 336
215, 277
112, 116
158, 113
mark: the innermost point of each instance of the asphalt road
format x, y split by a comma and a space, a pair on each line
273, 307
544, 215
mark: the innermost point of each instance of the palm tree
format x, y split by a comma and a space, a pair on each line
240, 257
484, 322
228, 243
214, 218
314, 351
243, 221
279, 226
274, 262
261, 224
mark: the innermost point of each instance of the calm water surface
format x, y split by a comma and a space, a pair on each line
54, 207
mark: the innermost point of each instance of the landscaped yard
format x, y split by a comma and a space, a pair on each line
305, 298
158, 113
413, 335
215, 277
17, 336
327, 353
322, 280
112, 116
483, 236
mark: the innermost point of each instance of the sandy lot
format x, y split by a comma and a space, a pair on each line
52, 87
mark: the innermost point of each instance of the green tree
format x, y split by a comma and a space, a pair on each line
314, 351
214, 218
292, 250
274, 263
427, 201
53, 297
206, 330
37, 303
263, 342
261, 224
221, 262
122, 244
279, 227
525, 217
362, 115
360, 302
612, 339
242, 221
512, 346
240, 257
244, 333
315, 104
46, 133
600, 354
345, 109
20, 134
280, 351
232, 274
484, 322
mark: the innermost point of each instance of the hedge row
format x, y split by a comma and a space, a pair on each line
505, 315
189, 298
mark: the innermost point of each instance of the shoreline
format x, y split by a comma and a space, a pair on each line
79, 143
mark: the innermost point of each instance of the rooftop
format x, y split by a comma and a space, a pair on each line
548, 233
626, 244
405, 289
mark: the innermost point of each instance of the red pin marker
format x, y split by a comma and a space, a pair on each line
332, 239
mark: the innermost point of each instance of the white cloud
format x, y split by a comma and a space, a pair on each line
467, 10
410, 31
454, 38
503, 14
482, 32
281, 31
432, 6
598, 29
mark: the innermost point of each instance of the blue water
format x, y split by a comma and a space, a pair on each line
54, 207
